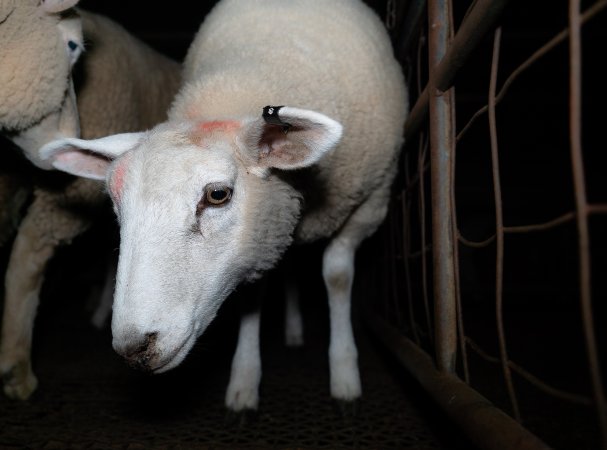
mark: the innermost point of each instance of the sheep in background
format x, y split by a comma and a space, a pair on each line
41, 42
214, 196
126, 86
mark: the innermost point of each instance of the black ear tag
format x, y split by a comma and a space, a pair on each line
270, 115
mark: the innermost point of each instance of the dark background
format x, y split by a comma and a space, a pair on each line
541, 283
168, 29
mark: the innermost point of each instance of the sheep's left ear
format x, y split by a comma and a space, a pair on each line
88, 158
290, 138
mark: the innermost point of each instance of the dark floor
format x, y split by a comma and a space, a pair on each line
88, 397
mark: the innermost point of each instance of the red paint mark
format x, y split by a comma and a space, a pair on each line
204, 129
116, 182
219, 125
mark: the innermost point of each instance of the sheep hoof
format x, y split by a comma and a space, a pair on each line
240, 419
347, 409
294, 341
19, 382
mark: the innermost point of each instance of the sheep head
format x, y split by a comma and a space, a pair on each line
201, 209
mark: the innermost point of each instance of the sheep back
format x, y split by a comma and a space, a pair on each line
331, 56
126, 85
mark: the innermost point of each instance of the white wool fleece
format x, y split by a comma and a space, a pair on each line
217, 82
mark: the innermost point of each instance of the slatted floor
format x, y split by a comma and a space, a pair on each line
88, 398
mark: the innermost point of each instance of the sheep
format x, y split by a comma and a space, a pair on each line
41, 43
214, 196
126, 86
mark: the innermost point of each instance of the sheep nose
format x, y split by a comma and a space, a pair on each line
138, 353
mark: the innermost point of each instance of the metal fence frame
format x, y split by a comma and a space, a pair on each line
433, 112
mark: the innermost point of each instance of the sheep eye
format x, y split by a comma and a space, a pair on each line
72, 45
216, 195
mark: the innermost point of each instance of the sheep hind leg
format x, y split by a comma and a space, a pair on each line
37, 239
103, 310
294, 335
338, 274
242, 395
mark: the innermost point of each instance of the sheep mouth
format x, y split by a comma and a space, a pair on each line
176, 357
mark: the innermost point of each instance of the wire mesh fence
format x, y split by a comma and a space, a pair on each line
494, 253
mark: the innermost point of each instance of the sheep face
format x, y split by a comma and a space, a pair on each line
40, 43
200, 210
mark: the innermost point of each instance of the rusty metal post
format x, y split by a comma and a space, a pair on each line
582, 210
442, 145
479, 21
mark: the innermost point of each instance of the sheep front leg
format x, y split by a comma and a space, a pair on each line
24, 278
338, 274
41, 231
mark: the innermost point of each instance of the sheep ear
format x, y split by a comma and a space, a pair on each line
291, 138
55, 6
88, 159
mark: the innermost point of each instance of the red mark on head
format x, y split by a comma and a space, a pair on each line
218, 125
204, 129
116, 182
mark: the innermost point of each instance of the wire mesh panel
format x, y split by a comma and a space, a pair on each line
494, 250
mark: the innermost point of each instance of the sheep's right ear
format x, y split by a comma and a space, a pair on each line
88, 158
55, 6
291, 138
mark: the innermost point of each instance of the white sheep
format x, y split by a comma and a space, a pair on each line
214, 196
41, 42
127, 86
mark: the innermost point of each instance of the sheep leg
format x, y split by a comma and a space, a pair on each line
293, 321
338, 274
40, 233
243, 389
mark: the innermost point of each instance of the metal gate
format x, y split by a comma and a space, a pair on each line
493, 256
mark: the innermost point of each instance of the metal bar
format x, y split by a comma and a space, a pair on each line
442, 140
406, 250
579, 182
553, 223
537, 382
486, 425
499, 232
479, 21
597, 209
406, 221
422, 214
421, 170
516, 73
461, 334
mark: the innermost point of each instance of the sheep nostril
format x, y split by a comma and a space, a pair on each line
139, 354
